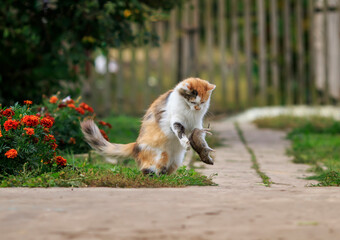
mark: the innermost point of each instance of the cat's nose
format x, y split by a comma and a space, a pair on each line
197, 108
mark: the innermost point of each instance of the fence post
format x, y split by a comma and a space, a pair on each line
120, 82
160, 32
147, 91
134, 81
287, 52
325, 53
300, 49
222, 43
209, 40
274, 51
235, 49
311, 62
248, 50
262, 49
173, 32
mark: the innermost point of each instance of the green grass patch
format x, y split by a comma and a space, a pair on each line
255, 165
321, 151
314, 141
288, 122
94, 172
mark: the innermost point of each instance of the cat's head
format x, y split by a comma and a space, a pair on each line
195, 92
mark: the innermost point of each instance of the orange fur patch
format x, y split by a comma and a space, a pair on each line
151, 134
201, 86
146, 159
163, 161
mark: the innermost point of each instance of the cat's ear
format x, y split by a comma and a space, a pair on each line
186, 86
211, 87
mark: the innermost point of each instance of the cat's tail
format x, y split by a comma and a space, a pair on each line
95, 139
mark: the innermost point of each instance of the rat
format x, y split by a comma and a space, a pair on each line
198, 143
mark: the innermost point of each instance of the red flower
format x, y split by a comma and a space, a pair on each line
80, 110
12, 153
0, 133
49, 137
53, 99
86, 107
72, 140
30, 120
28, 102
49, 117
105, 124
61, 105
90, 109
8, 112
29, 131
54, 145
104, 134
61, 161
70, 101
9, 124
47, 123
71, 106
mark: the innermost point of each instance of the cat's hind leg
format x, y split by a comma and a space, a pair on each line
153, 161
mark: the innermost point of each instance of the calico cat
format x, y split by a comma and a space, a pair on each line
163, 137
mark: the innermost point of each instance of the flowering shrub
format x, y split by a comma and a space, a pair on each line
65, 116
25, 139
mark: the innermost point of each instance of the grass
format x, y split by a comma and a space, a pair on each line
86, 172
314, 141
92, 171
287, 122
255, 165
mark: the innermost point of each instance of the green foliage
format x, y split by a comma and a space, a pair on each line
43, 42
125, 129
29, 142
68, 114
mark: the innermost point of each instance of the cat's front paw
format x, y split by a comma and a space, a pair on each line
185, 143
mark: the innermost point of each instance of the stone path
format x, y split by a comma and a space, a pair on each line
239, 208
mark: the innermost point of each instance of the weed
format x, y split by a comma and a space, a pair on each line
265, 179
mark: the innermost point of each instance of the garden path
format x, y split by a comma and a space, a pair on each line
240, 207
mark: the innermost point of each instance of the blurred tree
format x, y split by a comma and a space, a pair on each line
45, 41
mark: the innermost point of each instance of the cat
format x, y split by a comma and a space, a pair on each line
163, 136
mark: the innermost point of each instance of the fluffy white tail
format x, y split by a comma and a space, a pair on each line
95, 139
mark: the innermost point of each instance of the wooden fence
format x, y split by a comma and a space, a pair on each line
257, 52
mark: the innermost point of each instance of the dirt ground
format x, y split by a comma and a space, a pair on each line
239, 208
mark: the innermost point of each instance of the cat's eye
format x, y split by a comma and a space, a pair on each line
193, 102
202, 102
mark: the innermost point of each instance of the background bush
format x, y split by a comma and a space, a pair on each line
44, 42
